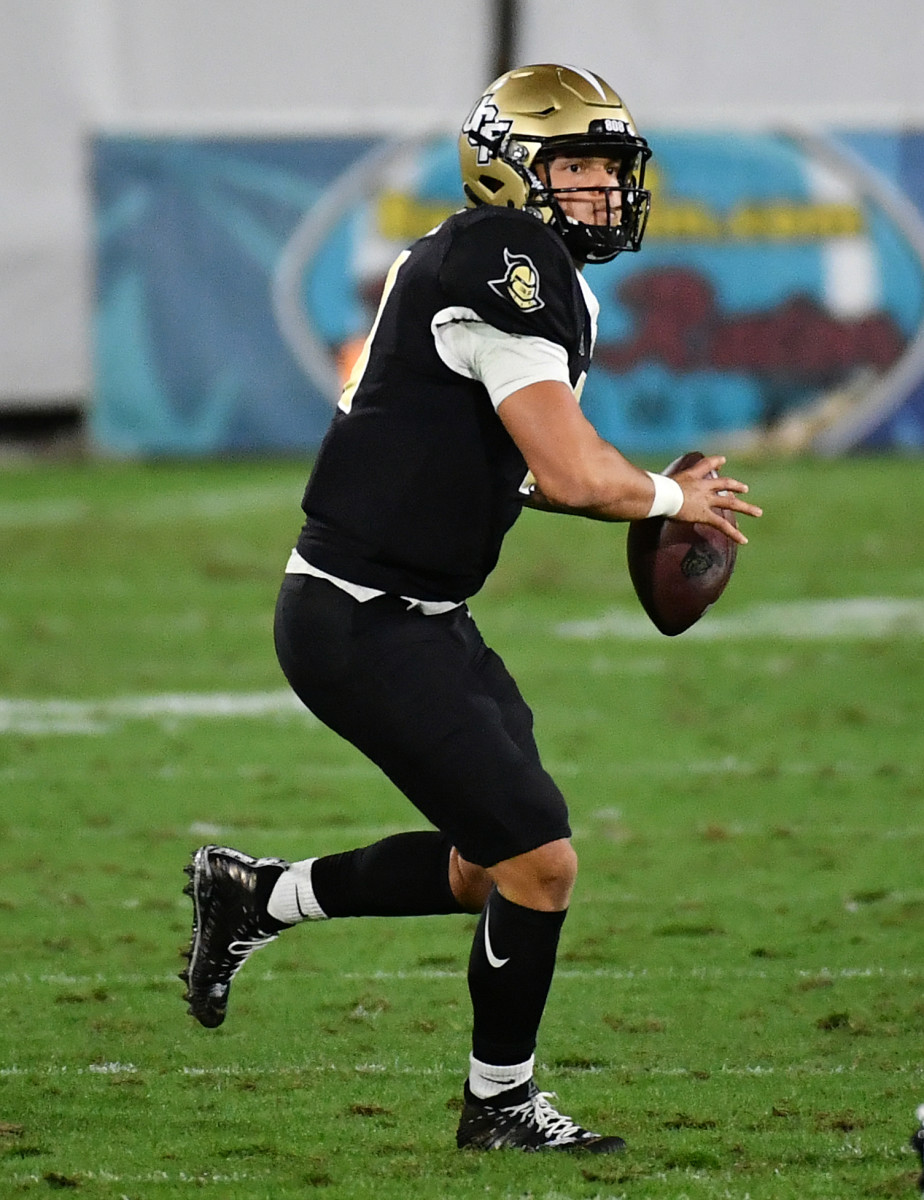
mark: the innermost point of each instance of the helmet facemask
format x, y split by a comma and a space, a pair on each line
626, 203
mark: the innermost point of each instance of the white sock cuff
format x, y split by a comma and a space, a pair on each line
487, 1079
293, 899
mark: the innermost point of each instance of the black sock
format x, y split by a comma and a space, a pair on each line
406, 875
509, 993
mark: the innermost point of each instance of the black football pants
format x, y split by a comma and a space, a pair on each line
427, 701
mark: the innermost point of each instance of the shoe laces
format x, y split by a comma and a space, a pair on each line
242, 948
548, 1120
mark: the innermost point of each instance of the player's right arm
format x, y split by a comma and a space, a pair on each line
511, 313
577, 471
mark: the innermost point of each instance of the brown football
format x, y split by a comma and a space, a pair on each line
679, 569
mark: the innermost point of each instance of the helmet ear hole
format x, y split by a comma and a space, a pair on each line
488, 181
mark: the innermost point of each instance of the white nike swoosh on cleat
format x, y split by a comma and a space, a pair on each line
492, 957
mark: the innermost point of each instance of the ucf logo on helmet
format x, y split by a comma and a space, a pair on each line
485, 128
521, 282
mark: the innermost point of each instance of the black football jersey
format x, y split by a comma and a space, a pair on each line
417, 481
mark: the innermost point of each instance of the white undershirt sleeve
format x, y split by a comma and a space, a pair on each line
503, 362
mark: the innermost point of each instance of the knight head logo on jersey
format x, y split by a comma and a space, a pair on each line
520, 284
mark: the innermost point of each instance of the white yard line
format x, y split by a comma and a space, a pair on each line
394, 1067
216, 504
169, 1177
778, 971
34, 514
98, 716
855, 618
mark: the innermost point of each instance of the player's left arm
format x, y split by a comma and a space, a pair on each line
578, 472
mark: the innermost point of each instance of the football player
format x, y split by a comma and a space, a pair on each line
462, 408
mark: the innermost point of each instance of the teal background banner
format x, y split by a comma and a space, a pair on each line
778, 299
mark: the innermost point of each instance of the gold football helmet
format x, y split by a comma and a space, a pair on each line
533, 113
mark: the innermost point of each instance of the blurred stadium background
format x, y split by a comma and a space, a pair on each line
197, 202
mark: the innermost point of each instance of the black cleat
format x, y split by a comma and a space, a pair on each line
526, 1122
229, 891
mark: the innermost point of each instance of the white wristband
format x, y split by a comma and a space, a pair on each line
668, 497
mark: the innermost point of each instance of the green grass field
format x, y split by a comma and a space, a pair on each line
740, 986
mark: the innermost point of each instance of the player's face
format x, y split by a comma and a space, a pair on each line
589, 175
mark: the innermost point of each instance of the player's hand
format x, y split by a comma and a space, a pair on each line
705, 492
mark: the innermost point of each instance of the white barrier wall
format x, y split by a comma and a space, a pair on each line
69, 67
815, 61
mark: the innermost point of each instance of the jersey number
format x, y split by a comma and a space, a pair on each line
345, 402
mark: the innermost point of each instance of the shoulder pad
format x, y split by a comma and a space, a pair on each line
514, 272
